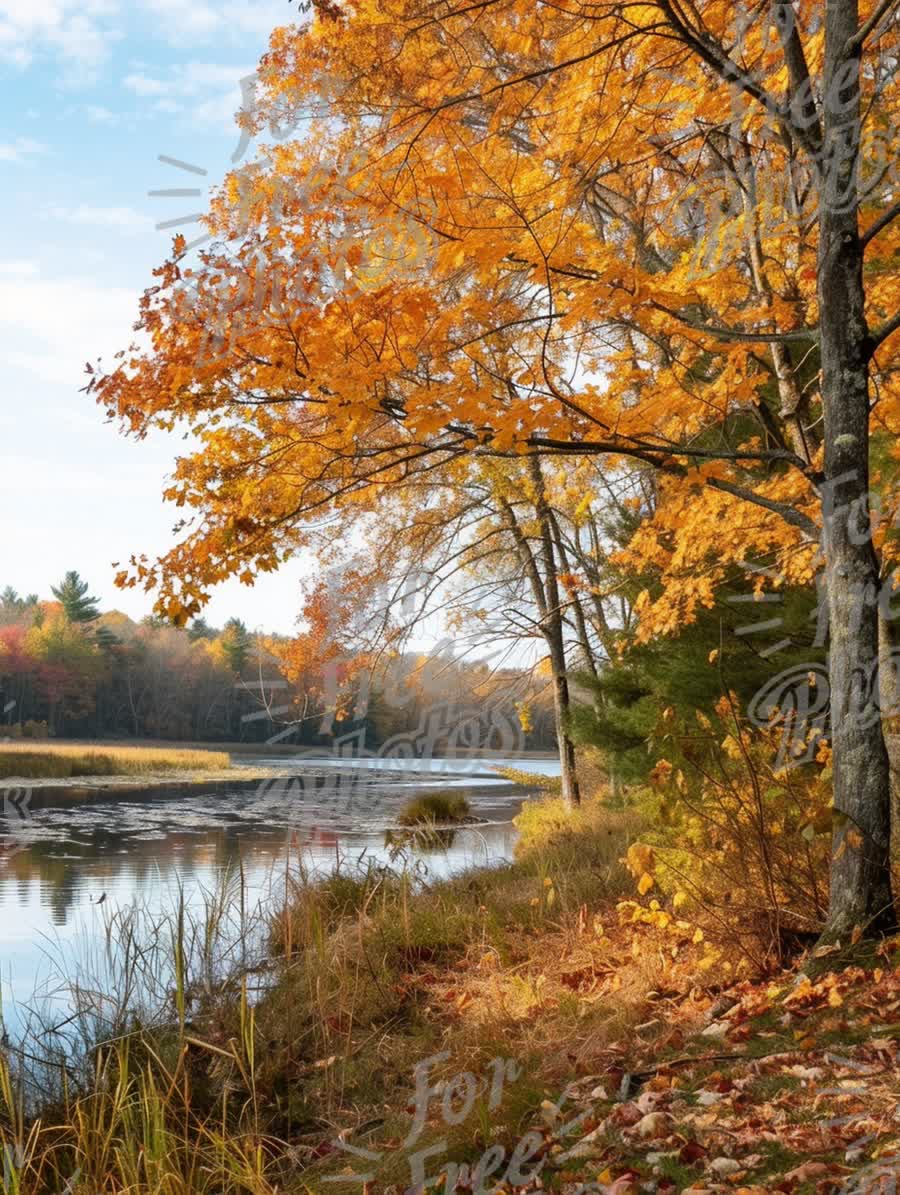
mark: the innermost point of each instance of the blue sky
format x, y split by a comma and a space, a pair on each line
93, 92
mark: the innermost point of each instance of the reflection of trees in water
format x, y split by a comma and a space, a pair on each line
266, 825
97, 860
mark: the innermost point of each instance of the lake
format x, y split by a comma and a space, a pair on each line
75, 861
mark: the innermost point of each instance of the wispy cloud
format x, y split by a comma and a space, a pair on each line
126, 219
209, 91
20, 150
50, 326
77, 32
97, 114
232, 20
17, 269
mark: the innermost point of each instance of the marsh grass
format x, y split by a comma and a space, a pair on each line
58, 761
436, 809
224, 1049
535, 780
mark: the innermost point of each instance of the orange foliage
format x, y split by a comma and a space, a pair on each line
514, 227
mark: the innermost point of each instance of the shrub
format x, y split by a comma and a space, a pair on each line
743, 838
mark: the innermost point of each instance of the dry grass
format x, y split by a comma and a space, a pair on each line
435, 809
366, 974
63, 760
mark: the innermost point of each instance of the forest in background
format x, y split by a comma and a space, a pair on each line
70, 670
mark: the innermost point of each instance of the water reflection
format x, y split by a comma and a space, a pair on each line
74, 861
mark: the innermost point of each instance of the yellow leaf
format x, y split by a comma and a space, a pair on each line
645, 883
679, 899
639, 859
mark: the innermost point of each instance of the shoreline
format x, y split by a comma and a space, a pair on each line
246, 774
289, 751
240, 775
493, 1017
125, 782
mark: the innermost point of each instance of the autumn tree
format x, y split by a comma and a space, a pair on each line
636, 232
501, 565
69, 666
200, 629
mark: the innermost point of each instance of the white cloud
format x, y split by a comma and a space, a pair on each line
126, 219
232, 20
181, 22
49, 327
97, 114
211, 91
78, 32
20, 150
81, 33
17, 269
190, 79
143, 85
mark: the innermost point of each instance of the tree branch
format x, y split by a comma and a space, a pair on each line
880, 225
855, 43
655, 453
788, 513
705, 46
798, 69
724, 333
876, 337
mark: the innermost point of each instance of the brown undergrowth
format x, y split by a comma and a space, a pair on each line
538, 1011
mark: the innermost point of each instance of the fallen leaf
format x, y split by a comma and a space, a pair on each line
809, 1170
723, 1167
654, 1124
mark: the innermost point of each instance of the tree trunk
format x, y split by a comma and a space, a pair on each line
545, 591
860, 871
555, 638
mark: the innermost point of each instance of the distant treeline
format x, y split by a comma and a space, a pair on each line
70, 670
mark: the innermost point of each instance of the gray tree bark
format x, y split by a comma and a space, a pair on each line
545, 591
860, 871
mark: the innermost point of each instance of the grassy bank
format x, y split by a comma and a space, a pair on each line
64, 760
537, 1002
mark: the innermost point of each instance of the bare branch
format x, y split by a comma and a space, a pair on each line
876, 337
788, 513
855, 43
880, 225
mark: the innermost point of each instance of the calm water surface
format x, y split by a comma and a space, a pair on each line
71, 862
